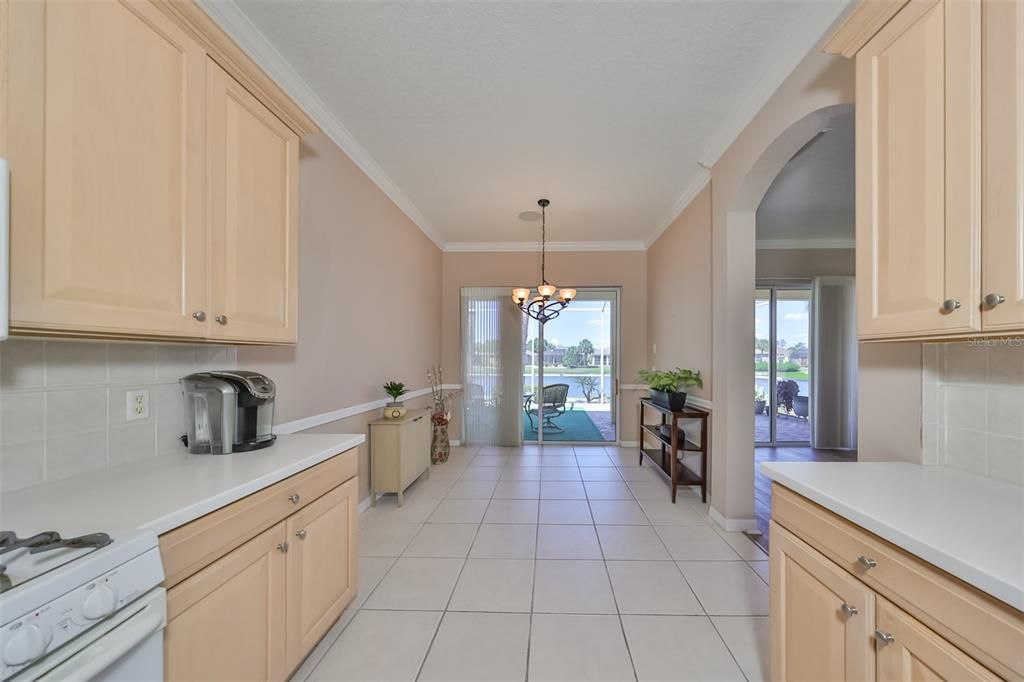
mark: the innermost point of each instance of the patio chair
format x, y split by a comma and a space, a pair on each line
553, 399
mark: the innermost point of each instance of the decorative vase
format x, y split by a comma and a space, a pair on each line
440, 447
394, 410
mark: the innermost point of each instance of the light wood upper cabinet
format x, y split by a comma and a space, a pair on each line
154, 182
106, 121
321, 567
227, 622
919, 172
253, 195
821, 617
1003, 164
908, 651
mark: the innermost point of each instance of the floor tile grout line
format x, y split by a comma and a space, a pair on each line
728, 648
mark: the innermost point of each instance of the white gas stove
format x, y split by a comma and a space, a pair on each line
89, 604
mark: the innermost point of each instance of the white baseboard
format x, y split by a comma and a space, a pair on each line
455, 442
732, 524
629, 443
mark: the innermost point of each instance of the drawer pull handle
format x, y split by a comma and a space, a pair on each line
949, 305
866, 562
221, 319
848, 611
283, 547
884, 638
199, 316
294, 498
301, 534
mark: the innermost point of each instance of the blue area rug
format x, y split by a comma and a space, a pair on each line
576, 425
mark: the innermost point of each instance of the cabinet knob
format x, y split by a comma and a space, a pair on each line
949, 305
301, 534
223, 319
283, 547
884, 638
848, 611
199, 315
294, 498
992, 300
866, 562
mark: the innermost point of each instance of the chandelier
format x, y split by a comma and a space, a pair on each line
543, 306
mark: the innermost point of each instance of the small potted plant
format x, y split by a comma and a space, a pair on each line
396, 408
665, 386
760, 399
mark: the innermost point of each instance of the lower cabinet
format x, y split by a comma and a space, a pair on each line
256, 611
227, 622
822, 617
845, 605
321, 567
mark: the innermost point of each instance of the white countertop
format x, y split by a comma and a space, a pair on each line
165, 492
967, 525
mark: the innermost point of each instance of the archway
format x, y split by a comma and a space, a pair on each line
747, 172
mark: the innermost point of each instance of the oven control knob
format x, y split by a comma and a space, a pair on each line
27, 644
100, 603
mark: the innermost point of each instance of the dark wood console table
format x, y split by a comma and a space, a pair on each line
676, 441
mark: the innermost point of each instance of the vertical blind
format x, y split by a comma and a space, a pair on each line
492, 366
834, 364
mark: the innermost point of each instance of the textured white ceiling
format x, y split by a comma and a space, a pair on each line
812, 197
470, 111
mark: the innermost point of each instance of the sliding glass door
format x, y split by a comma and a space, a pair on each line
782, 365
570, 372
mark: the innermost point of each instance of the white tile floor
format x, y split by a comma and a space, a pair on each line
556, 564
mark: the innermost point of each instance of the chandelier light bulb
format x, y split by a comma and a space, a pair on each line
541, 307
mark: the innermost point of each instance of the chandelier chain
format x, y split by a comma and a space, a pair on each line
543, 241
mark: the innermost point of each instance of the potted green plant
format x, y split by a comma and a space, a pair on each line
395, 409
665, 386
760, 399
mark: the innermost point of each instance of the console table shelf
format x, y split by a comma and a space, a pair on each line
676, 441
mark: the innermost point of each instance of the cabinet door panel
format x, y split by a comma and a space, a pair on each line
108, 222
253, 182
918, 172
321, 567
1003, 106
916, 654
812, 637
227, 622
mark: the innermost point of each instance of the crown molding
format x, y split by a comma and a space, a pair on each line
699, 182
792, 244
230, 17
534, 247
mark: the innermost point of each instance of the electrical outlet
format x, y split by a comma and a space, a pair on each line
137, 405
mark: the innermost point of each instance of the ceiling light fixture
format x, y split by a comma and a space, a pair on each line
543, 306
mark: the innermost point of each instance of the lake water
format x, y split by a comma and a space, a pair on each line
575, 392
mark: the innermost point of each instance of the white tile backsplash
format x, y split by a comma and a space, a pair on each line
62, 404
973, 407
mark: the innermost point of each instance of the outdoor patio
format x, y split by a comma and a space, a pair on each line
579, 425
790, 429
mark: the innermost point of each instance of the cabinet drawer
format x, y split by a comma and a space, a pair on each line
985, 628
187, 549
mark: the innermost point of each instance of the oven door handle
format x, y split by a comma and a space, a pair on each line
101, 654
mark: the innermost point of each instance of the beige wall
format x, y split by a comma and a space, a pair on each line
624, 269
738, 182
679, 293
804, 263
364, 317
